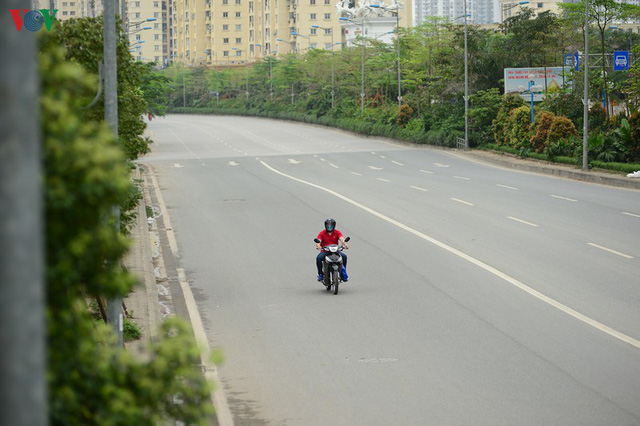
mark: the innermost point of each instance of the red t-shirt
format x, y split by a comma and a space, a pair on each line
326, 239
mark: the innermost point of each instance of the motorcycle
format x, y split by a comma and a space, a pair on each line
332, 265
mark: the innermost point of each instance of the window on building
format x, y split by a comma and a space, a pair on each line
313, 31
314, 45
539, 5
225, 27
238, 27
313, 17
225, 40
238, 1
137, 15
225, 53
64, 13
327, 16
238, 40
327, 46
64, 4
327, 31
136, 4
138, 36
225, 2
156, 48
156, 36
238, 14
156, 15
225, 14
238, 53
327, 2
312, 2
156, 4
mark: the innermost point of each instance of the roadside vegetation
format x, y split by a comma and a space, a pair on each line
298, 87
87, 172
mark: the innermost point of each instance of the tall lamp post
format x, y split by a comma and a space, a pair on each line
332, 72
466, 79
362, 61
397, 13
585, 113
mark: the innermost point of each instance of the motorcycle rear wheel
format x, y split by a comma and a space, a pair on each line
336, 281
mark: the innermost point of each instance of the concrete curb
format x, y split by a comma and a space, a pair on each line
558, 170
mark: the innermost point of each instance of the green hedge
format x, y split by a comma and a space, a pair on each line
351, 124
618, 167
573, 161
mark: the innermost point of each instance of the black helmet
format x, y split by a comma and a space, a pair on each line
330, 224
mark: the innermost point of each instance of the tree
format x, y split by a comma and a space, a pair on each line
603, 13
90, 381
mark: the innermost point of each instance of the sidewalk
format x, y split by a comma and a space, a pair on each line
143, 302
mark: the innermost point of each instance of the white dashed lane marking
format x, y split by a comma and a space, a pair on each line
564, 198
462, 201
399, 164
418, 188
522, 221
631, 214
626, 256
506, 186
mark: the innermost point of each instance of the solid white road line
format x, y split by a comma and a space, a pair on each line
631, 214
522, 221
399, 164
565, 198
418, 188
218, 398
626, 256
356, 173
462, 177
535, 293
384, 180
334, 166
440, 165
506, 186
462, 201
426, 171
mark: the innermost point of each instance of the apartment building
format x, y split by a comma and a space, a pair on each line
147, 28
235, 32
479, 11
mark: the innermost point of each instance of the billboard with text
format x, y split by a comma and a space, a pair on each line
526, 80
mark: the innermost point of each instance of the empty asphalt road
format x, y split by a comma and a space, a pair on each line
477, 295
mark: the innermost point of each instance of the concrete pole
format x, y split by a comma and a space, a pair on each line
114, 306
398, 35
22, 301
585, 116
466, 80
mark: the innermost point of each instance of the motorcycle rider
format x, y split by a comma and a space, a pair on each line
328, 236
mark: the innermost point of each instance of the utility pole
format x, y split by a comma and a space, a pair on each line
466, 79
114, 306
22, 285
585, 115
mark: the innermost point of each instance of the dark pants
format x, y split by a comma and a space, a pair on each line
323, 254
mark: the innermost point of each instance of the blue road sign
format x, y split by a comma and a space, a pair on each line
620, 60
577, 61
568, 59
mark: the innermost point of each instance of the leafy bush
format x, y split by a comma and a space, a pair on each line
501, 125
542, 126
520, 120
404, 115
633, 141
561, 128
562, 148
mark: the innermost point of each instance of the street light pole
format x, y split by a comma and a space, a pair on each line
398, 36
362, 61
466, 81
585, 115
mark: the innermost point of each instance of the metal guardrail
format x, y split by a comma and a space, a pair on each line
461, 144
